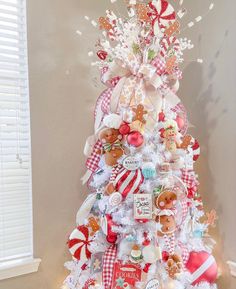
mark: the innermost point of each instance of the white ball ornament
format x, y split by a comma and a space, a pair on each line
151, 254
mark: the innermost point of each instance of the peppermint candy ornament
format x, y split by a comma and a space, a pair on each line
115, 199
162, 14
79, 244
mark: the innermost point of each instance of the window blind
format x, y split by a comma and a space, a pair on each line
15, 150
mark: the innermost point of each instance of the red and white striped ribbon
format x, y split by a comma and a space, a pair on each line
170, 243
184, 252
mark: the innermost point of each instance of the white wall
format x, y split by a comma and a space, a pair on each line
62, 97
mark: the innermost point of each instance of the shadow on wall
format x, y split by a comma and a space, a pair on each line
199, 101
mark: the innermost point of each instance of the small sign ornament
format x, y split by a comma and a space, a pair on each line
131, 163
142, 206
152, 284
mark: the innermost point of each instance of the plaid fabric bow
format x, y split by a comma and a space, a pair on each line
190, 179
107, 147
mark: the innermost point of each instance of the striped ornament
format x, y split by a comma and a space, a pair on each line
203, 267
167, 43
196, 150
126, 181
79, 244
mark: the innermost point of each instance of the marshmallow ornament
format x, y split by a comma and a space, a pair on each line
151, 254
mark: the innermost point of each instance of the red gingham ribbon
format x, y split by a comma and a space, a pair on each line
189, 178
159, 64
109, 259
184, 252
180, 109
93, 160
177, 73
185, 208
111, 82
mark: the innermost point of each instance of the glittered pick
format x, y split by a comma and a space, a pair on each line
142, 12
182, 12
172, 29
171, 64
211, 218
104, 24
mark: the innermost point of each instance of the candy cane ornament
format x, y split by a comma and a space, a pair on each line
169, 43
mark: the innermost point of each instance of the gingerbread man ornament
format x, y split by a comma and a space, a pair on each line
139, 113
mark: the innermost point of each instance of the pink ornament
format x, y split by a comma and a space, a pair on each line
203, 267
102, 54
180, 122
124, 129
135, 138
180, 111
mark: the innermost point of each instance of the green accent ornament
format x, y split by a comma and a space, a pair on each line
157, 190
151, 54
99, 196
136, 48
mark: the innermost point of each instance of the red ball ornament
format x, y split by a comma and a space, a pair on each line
142, 221
165, 256
102, 54
106, 224
135, 138
146, 241
180, 122
124, 129
203, 267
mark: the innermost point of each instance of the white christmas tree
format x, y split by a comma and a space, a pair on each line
143, 223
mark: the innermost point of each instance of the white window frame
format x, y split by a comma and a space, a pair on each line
30, 264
